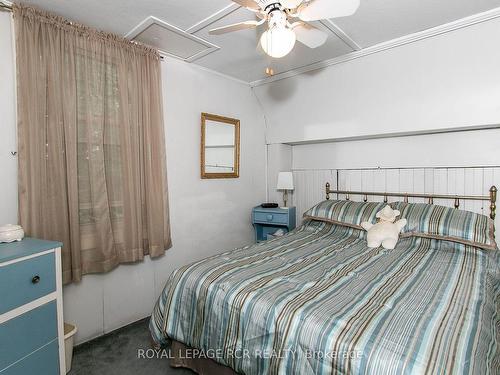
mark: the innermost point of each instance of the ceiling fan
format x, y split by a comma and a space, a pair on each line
288, 21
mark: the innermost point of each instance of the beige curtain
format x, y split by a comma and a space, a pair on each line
92, 170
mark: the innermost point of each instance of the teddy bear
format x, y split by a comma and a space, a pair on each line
386, 231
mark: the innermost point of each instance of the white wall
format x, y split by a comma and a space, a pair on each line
279, 159
207, 216
452, 163
460, 149
8, 163
448, 81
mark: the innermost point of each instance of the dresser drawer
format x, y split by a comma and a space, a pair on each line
25, 281
270, 217
45, 361
26, 333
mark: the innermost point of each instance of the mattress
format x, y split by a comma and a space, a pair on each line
319, 301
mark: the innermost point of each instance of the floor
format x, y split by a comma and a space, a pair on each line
120, 353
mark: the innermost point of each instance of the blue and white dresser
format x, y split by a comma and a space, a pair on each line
31, 315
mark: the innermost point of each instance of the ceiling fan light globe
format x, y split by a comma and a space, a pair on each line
278, 42
290, 4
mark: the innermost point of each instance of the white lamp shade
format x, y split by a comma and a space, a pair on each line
285, 181
278, 41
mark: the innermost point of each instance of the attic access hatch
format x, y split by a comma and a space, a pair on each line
170, 40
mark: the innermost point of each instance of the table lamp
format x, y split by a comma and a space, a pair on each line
285, 183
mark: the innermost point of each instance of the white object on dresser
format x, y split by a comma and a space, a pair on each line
31, 308
11, 233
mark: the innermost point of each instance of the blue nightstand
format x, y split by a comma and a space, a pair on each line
266, 221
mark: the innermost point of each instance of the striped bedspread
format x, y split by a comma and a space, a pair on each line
318, 301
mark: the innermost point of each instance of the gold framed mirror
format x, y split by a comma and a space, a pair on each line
220, 146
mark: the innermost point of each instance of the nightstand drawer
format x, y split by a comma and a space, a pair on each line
270, 217
26, 281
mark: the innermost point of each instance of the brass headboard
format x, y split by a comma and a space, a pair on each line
491, 197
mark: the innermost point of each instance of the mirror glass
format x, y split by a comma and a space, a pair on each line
220, 147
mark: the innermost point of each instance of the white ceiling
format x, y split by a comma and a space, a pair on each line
375, 22
378, 21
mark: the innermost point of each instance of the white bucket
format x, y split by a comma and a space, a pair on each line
69, 338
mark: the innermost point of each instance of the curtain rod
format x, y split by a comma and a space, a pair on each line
6, 6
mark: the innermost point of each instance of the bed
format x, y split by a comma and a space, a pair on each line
319, 301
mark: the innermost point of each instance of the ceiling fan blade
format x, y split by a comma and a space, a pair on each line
250, 4
235, 27
322, 9
309, 35
291, 4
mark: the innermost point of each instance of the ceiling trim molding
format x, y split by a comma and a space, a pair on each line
407, 39
152, 20
337, 31
220, 14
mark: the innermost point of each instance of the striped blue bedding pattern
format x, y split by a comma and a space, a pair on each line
345, 212
447, 223
318, 301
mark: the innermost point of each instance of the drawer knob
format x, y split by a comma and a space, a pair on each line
35, 279
269, 217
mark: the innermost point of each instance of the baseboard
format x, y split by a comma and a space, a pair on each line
93, 340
